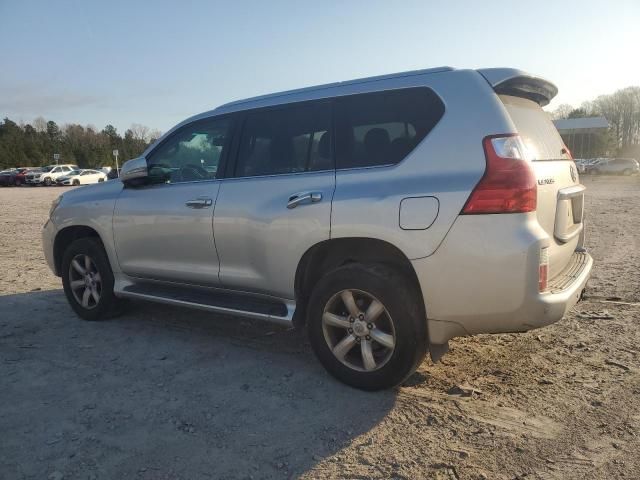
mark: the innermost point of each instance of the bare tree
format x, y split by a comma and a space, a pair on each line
154, 135
562, 111
140, 132
40, 125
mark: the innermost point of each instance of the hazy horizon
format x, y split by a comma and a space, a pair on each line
156, 64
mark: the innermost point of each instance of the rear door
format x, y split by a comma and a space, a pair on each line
277, 203
560, 194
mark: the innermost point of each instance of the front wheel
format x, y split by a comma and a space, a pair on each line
76, 183
88, 280
47, 182
626, 172
366, 326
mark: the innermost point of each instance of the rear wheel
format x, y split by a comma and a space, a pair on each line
88, 280
17, 182
626, 171
366, 326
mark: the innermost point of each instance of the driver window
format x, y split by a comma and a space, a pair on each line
191, 154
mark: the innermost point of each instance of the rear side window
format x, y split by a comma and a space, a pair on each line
287, 140
382, 128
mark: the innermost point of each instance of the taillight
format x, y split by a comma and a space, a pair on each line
508, 184
543, 270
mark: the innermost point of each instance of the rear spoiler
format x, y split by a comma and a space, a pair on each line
510, 81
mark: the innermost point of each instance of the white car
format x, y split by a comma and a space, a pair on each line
48, 175
82, 177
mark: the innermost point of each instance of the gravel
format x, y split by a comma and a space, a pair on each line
165, 393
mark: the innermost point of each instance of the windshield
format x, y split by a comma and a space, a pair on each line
74, 172
47, 169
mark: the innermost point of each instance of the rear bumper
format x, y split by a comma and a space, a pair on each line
484, 279
564, 292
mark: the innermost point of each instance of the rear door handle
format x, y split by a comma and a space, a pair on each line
199, 203
308, 197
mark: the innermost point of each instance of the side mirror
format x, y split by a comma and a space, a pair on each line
135, 169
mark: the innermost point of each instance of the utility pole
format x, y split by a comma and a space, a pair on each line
115, 154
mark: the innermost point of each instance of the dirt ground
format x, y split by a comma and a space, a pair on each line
165, 393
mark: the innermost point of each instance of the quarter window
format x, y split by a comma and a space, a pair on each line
191, 154
287, 140
382, 128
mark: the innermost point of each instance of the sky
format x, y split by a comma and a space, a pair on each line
159, 62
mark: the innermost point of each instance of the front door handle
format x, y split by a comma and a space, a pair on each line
308, 197
199, 203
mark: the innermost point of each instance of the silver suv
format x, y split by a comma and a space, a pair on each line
616, 166
388, 215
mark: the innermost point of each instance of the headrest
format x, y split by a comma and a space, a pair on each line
324, 146
376, 139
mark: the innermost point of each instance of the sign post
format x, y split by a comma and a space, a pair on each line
56, 157
115, 154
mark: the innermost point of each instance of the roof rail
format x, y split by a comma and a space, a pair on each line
335, 84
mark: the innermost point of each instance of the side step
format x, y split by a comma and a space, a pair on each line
213, 300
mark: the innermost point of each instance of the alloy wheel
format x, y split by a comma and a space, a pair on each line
358, 330
85, 281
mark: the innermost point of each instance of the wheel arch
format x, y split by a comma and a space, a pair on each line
330, 254
64, 238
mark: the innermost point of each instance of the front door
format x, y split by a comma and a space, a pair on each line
277, 203
164, 230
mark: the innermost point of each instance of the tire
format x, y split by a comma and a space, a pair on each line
76, 183
17, 183
107, 304
47, 182
596, 171
100, 180
626, 172
401, 326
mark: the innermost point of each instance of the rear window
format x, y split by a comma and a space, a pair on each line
382, 128
539, 134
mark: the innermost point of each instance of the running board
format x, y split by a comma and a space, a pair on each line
213, 300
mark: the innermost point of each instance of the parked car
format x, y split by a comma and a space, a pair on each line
13, 176
81, 177
21, 176
616, 166
7, 177
48, 175
388, 214
581, 164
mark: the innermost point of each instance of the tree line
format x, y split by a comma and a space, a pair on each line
622, 111
34, 144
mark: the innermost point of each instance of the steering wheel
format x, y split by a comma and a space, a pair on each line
193, 172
